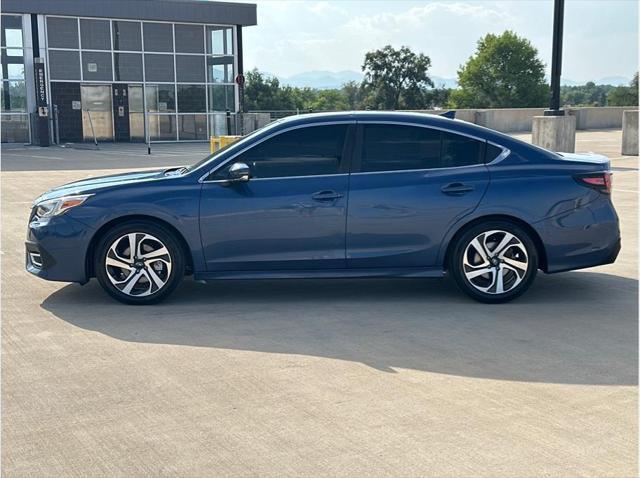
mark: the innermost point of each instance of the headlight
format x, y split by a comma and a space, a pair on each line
53, 207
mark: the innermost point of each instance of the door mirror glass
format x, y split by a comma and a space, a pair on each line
239, 173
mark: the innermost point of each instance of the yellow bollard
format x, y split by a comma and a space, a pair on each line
219, 142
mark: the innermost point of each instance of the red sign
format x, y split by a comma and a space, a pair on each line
240, 80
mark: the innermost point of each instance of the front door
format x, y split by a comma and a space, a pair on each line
290, 214
97, 113
409, 185
121, 112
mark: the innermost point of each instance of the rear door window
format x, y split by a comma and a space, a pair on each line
397, 148
388, 147
460, 150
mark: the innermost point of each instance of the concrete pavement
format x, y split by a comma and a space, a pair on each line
320, 378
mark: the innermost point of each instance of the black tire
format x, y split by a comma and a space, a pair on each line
170, 271
514, 277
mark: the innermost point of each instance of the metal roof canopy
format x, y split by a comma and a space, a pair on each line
189, 11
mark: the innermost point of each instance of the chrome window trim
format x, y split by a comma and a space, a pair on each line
219, 181
505, 152
499, 158
420, 125
262, 140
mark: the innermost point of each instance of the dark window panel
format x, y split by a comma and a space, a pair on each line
160, 98
62, 32
13, 96
95, 34
126, 36
397, 148
192, 99
158, 68
220, 69
158, 37
190, 68
189, 39
128, 66
222, 98
192, 127
12, 31
310, 151
96, 66
492, 153
460, 151
64, 65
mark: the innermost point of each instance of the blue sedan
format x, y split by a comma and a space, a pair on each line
336, 195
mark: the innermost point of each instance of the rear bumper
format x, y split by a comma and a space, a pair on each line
588, 236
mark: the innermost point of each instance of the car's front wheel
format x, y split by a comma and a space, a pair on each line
139, 263
494, 262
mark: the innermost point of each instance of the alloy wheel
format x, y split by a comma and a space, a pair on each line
495, 262
138, 264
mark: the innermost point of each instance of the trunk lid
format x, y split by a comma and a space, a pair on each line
591, 161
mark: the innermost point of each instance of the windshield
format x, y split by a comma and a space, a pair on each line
237, 144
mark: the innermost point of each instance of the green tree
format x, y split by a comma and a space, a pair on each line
625, 95
265, 93
504, 72
352, 91
395, 78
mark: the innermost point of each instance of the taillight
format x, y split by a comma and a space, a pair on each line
600, 181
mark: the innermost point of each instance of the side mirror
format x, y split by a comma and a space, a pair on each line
239, 173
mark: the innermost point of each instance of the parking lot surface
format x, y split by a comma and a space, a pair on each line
314, 378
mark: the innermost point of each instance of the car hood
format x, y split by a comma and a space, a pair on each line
90, 185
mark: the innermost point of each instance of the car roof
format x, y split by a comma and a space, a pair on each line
426, 119
396, 116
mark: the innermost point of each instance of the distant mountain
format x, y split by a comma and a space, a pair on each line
321, 80
614, 80
439, 82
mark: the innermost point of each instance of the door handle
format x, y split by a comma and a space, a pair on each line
326, 196
456, 189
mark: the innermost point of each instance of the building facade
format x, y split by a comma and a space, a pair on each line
120, 70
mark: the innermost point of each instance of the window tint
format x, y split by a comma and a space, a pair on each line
96, 65
95, 34
307, 151
400, 148
460, 151
395, 148
62, 32
128, 66
189, 38
126, 36
159, 68
492, 153
158, 36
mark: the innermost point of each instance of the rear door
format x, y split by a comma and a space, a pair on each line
408, 186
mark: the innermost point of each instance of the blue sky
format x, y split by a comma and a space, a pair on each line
601, 36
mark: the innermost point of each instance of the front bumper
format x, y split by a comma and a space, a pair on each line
57, 250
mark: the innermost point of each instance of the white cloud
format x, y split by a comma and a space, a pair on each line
293, 37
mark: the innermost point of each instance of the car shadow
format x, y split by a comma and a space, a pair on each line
572, 328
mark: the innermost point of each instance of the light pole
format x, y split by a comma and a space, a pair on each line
555, 130
556, 59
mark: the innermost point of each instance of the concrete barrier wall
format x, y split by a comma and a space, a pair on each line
519, 120
598, 118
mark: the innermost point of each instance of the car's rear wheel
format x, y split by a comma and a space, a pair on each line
139, 263
494, 261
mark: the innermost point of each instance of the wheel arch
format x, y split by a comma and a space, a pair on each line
102, 230
535, 237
